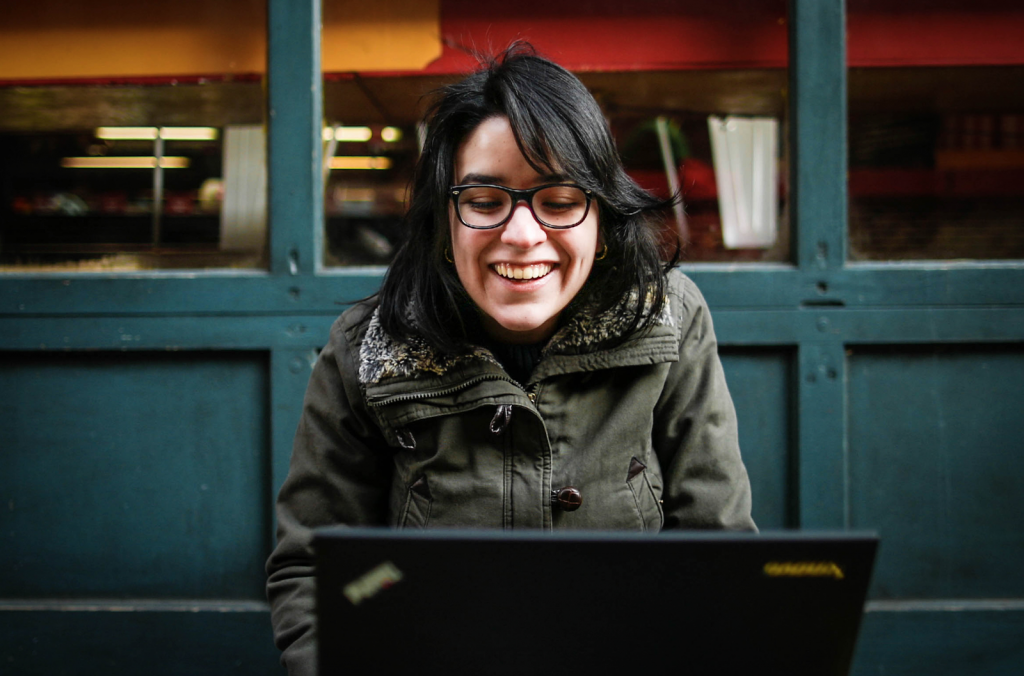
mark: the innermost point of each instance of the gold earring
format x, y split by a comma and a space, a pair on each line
601, 256
448, 255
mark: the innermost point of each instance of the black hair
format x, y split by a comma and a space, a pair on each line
558, 127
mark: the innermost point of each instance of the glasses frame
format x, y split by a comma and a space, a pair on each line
517, 197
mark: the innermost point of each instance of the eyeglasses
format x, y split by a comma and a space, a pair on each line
559, 206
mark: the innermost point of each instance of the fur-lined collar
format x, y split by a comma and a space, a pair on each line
383, 358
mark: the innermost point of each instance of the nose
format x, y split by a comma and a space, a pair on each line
522, 230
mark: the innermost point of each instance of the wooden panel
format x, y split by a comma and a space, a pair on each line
295, 181
164, 333
898, 397
141, 474
608, 35
936, 468
860, 325
195, 639
817, 80
289, 375
759, 381
821, 442
930, 33
738, 286
364, 36
68, 39
941, 640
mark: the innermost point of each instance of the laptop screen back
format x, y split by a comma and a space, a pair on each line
471, 602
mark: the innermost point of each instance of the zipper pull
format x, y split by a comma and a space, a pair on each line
501, 418
406, 439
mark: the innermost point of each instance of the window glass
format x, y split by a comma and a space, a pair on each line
132, 141
936, 130
663, 123
177, 182
370, 148
717, 139
695, 95
936, 163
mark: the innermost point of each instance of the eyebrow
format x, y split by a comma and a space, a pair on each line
496, 180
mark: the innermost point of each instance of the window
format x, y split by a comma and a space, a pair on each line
936, 163
132, 140
680, 74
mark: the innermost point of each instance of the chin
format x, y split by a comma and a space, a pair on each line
527, 329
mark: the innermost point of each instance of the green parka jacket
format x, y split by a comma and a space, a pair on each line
396, 433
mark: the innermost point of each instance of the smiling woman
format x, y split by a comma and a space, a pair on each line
530, 361
524, 274
522, 123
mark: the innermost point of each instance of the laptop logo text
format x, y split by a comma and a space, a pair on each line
368, 585
803, 569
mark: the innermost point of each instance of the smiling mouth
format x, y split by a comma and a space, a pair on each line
523, 272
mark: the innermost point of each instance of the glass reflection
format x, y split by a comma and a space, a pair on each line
936, 163
132, 177
662, 122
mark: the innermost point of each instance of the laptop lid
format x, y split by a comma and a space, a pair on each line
515, 602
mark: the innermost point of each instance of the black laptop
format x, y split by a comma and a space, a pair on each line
589, 603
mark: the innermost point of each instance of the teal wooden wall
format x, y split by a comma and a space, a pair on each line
146, 420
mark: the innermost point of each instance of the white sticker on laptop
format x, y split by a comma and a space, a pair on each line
368, 585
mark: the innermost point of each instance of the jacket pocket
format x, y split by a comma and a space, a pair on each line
648, 506
417, 505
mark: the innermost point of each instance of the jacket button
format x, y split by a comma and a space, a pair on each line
568, 498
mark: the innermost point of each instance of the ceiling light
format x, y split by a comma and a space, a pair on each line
360, 162
188, 133
126, 133
152, 133
124, 162
391, 134
354, 134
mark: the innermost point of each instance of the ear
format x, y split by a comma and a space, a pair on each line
602, 246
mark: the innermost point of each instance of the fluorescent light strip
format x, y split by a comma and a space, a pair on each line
124, 162
126, 133
352, 134
151, 133
188, 133
360, 162
391, 134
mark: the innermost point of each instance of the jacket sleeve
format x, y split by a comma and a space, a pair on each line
340, 473
695, 433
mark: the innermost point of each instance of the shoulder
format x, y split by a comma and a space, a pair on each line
351, 327
341, 352
687, 304
696, 331
683, 292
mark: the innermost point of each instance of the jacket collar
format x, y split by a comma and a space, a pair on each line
384, 359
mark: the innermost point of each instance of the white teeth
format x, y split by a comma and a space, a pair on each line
522, 271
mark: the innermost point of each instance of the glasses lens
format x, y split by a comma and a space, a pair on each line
483, 207
560, 205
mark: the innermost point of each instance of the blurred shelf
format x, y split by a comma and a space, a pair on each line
923, 182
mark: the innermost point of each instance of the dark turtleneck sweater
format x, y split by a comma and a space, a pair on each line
518, 360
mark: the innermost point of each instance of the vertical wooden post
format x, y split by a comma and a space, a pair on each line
295, 194
294, 148
817, 91
817, 77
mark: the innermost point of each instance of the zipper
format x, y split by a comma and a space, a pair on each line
385, 400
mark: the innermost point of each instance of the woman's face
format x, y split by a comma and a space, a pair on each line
488, 261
